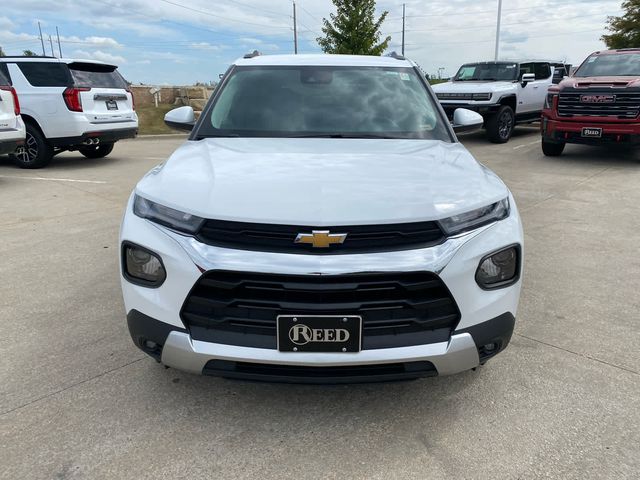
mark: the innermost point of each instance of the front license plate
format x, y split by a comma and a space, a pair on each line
316, 333
112, 105
592, 132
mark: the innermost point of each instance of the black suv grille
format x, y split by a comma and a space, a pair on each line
397, 309
623, 103
281, 238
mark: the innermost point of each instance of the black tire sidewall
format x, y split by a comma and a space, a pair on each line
493, 125
552, 149
97, 152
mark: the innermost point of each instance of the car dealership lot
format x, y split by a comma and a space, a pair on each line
78, 400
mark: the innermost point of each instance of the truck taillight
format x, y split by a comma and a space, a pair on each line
133, 99
72, 98
16, 102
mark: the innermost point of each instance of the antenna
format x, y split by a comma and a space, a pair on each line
59, 46
41, 39
403, 16
295, 30
498, 30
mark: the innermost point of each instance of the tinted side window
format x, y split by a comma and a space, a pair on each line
526, 68
5, 78
542, 71
46, 74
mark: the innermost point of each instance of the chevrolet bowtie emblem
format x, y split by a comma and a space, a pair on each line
321, 238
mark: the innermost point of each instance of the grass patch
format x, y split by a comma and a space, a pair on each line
151, 119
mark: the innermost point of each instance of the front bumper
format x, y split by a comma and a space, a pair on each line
486, 317
481, 108
463, 351
565, 131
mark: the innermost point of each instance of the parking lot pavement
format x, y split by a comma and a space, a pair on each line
79, 401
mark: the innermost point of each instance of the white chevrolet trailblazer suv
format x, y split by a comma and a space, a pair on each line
12, 131
321, 224
504, 93
67, 104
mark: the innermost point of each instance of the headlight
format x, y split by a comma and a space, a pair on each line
481, 96
499, 269
181, 221
475, 218
548, 100
142, 266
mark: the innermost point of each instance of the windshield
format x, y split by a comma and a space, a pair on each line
610, 65
324, 101
487, 72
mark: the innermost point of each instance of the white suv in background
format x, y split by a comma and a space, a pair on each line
504, 93
12, 129
69, 104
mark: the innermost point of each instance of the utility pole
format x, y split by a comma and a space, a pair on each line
295, 30
498, 30
41, 39
59, 46
51, 43
403, 12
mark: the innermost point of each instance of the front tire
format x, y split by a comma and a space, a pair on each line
97, 151
552, 149
500, 126
36, 152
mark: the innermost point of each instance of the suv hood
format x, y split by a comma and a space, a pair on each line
473, 87
322, 182
585, 82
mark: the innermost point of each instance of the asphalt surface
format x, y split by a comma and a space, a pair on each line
79, 401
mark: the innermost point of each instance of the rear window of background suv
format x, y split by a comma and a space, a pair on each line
95, 75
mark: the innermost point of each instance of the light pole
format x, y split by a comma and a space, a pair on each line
498, 29
440, 70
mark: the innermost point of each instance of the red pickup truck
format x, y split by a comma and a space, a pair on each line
598, 105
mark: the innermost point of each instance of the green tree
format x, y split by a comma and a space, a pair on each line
625, 30
353, 29
28, 53
2, 54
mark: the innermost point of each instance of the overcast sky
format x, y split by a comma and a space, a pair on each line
161, 42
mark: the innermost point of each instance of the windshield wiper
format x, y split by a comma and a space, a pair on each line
344, 135
217, 135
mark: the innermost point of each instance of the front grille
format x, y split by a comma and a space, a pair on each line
622, 104
397, 309
302, 374
281, 238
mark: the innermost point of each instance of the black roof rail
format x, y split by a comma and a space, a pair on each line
255, 53
396, 55
27, 56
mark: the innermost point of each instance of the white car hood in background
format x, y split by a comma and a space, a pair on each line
473, 87
322, 182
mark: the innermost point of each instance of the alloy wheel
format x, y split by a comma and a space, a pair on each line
29, 152
505, 125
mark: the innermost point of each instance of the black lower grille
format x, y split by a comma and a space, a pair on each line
397, 309
600, 102
301, 374
281, 238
